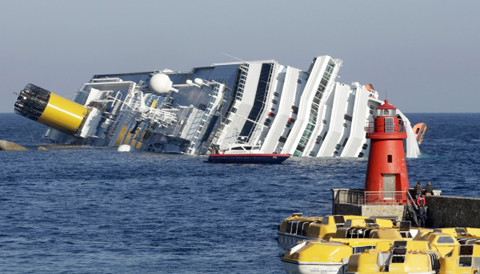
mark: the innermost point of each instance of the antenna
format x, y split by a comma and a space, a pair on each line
231, 56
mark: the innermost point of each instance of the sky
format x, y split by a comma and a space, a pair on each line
423, 56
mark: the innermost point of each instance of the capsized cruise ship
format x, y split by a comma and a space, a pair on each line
279, 108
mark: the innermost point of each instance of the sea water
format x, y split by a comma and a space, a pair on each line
95, 210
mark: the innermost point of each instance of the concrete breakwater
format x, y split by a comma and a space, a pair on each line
442, 211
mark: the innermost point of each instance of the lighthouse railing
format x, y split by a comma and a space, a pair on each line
387, 127
361, 197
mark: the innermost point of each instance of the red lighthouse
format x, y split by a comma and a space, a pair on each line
387, 178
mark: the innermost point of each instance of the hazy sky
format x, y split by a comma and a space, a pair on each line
424, 54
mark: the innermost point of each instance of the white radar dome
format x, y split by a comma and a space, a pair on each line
198, 81
160, 83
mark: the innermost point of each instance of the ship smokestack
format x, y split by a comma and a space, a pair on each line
50, 109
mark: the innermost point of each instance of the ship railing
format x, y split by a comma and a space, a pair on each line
361, 197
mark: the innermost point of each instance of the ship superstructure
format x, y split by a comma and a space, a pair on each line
280, 109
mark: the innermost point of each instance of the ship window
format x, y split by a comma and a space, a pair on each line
233, 110
466, 250
360, 249
445, 240
297, 153
348, 223
389, 158
323, 82
461, 231
339, 219
295, 109
398, 259
465, 261
325, 221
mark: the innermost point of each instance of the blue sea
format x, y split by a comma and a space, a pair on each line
95, 210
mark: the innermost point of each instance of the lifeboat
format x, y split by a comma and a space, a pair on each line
316, 257
462, 259
406, 256
464, 235
432, 252
419, 130
333, 255
399, 260
357, 244
442, 242
297, 228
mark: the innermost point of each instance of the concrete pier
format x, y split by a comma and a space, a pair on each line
442, 211
353, 202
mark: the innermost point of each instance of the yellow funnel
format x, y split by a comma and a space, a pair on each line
50, 109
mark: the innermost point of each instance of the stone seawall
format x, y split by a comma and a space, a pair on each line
386, 211
451, 211
442, 211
